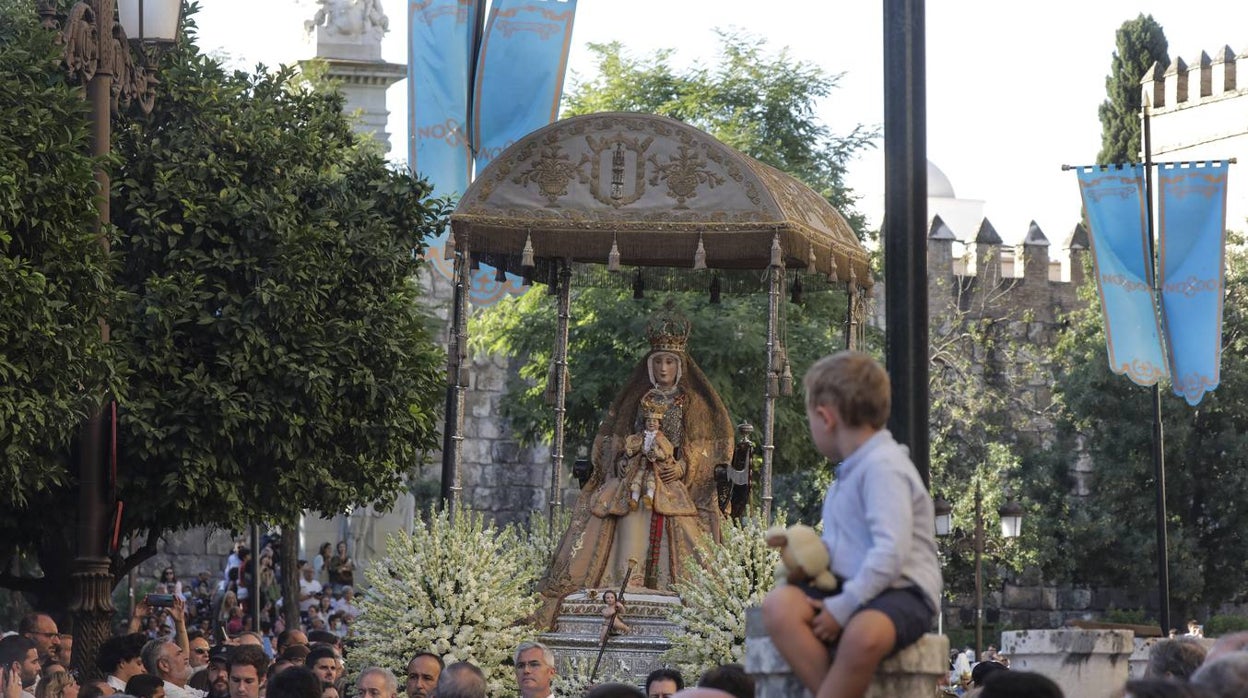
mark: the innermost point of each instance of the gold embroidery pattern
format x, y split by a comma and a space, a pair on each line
552, 172
683, 174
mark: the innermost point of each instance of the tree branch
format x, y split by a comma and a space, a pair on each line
122, 567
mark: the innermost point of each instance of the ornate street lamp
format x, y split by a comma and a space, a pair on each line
98, 55
1011, 526
1011, 519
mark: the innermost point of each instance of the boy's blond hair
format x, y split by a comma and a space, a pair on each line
852, 382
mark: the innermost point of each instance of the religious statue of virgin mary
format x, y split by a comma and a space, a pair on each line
662, 534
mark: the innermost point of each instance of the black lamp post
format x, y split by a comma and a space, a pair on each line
1011, 526
97, 55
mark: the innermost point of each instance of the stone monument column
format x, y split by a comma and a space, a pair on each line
348, 40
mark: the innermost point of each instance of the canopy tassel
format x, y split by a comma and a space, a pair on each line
699, 256
526, 257
639, 287
786, 380
500, 272
810, 261
832, 269
613, 257
777, 252
448, 250
715, 289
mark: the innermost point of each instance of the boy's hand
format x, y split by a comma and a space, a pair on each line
823, 624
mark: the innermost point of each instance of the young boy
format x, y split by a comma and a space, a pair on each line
879, 526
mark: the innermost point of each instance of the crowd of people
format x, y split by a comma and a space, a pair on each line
35, 661
220, 606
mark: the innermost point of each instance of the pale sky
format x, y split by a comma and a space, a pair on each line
1012, 87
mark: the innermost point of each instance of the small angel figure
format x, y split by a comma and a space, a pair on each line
612, 609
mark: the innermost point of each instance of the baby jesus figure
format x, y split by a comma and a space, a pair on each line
645, 452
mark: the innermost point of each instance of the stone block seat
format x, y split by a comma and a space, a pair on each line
913, 673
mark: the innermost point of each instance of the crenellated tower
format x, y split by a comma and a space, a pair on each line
1200, 112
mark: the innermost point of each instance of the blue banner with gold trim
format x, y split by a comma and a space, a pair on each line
440, 36
1114, 199
520, 72
1192, 238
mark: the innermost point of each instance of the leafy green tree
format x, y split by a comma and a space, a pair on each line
763, 105
54, 367
275, 356
1140, 43
1108, 420
983, 417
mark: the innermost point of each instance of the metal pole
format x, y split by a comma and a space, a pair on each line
456, 380
92, 605
561, 384
776, 277
979, 571
254, 589
905, 222
1159, 457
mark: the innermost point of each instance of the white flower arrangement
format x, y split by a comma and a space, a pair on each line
738, 573
460, 589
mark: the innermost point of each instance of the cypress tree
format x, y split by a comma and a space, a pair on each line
1140, 43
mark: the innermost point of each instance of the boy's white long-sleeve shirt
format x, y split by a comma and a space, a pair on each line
879, 527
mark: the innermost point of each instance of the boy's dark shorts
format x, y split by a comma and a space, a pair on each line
907, 608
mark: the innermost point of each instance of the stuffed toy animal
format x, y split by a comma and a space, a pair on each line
803, 557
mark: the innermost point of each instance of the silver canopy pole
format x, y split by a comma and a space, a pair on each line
561, 384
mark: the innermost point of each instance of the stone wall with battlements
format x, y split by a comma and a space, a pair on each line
1200, 112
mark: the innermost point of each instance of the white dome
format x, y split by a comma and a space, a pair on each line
938, 185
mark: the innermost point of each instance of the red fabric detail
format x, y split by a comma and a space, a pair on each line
654, 549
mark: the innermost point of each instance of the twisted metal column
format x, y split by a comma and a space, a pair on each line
561, 384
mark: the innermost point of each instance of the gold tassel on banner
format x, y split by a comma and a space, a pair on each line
613, 258
448, 250
699, 256
526, 257
777, 253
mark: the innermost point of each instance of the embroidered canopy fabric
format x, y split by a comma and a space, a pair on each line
656, 188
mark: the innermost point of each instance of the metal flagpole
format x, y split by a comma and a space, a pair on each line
1159, 458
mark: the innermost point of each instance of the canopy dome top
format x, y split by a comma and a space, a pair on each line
657, 190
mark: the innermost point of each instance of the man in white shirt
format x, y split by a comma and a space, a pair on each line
308, 588
535, 669
167, 661
346, 605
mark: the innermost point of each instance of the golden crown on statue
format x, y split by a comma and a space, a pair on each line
668, 330
654, 404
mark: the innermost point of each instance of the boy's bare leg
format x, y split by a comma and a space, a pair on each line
866, 640
787, 613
